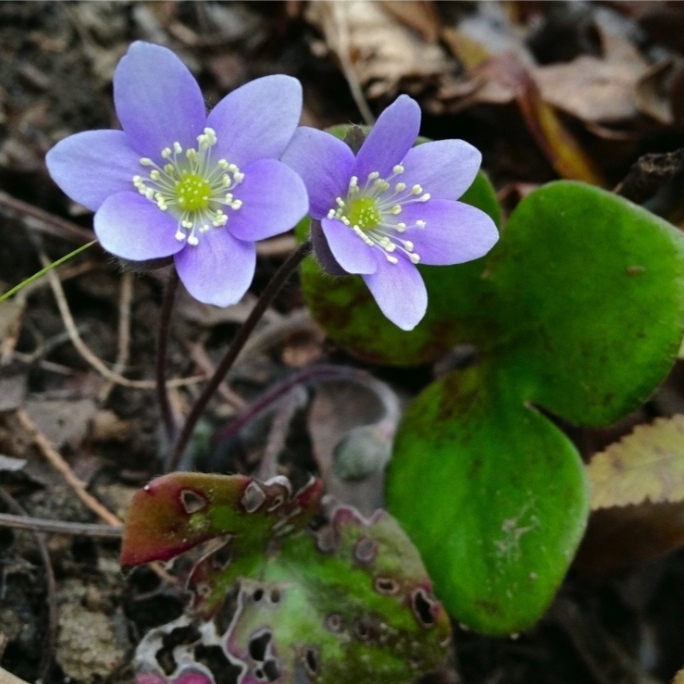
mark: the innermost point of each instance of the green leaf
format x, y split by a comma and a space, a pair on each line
344, 307
493, 494
350, 602
589, 301
584, 319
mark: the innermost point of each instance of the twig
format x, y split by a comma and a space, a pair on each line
274, 332
338, 29
293, 401
88, 355
43, 221
51, 588
23, 522
124, 333
60, 465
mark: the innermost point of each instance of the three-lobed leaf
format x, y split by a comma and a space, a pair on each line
584, 319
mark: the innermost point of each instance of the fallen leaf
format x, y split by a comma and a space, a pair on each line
591, 89
420, 15
10, 464
348, 432
380, 50
650, 92
560, 147
646, 465
63, 422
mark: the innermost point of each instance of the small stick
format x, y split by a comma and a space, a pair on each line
44, 222
23, 522
88, 355
201, 359
61, 466
124, 332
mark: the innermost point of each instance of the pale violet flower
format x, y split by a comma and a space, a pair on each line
392, 206
178, 182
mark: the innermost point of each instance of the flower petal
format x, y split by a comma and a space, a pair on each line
92, 165
157, 100
399, 291
257, 120
454, 232
130, 226
389, 140
219, 270
349, 250
445, 168
322, 252
273, 199
325, 165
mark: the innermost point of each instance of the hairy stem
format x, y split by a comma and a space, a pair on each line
267, 296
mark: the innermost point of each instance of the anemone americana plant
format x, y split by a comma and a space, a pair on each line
391, 207
179, 183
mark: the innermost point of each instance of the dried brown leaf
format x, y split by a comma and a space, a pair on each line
380, 50
619, 538
647, 464
560, 147
420, 15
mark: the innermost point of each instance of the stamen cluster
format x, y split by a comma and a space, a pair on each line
371, 211
192, 187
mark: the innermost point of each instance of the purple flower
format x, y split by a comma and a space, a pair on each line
178, 182
392, 206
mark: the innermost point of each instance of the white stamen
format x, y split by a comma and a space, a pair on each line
189, 178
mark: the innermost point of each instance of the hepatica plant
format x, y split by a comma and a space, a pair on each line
575, 313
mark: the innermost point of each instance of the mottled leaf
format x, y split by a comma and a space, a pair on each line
176, 512
344, 604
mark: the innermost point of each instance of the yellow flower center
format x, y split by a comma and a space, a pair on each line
373, 211
193, 192
192, 186
364, 213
